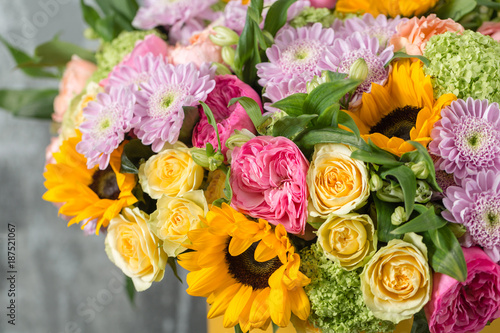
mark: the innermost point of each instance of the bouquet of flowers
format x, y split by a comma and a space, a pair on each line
331, 165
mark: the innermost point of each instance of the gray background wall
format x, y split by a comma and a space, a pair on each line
64, 280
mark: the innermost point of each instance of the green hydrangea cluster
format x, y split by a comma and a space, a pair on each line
111, 53
466, 65
312, 15
337, 304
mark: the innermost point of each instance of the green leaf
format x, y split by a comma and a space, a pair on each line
445, 254
455, 9
292, 104
329, 117
408, 182
172, 262
228, 191
373, 154
251, 107
277, 16
327, 94
384, 225
421, 154
237, 329
212, 121
133, 154
58, 53
420, 324
427, 220
330, 135
291, 127
29, 103
129, 287
21, 57
128, 8
401, 54
346, 120
275, 328
489, 3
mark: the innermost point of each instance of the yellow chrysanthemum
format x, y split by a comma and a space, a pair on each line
87, 194
391, 8
247, 270
403, 109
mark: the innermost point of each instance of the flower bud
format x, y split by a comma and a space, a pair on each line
391, 192
399, 216
224, 36
228, 55
375, 182
215, 161
316, 81
359, 70
420, 170
221, 69
200, 157
424, 192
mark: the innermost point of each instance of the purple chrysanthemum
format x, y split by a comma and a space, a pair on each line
158, 114
344, 53
381, 27
141, 70
278, 91
476, 205
467, 138
107, 119
295, 52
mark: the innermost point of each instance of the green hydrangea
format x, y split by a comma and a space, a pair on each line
312, 15
111, 53
466, 65
337, 304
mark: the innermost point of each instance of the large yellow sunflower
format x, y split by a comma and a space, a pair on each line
87, 194
391, 8
403, 109
247, 270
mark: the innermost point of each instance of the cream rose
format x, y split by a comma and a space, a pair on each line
337, 183
171, 172
348, 239
132, 247
174, 217
396, 282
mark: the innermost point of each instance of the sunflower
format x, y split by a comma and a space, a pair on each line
87, 194
247, 270
403, 109
391, 8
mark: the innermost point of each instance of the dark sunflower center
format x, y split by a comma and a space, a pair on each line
246, 270
104, 184
398, 123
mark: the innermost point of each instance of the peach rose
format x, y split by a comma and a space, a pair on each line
201, 50
77, 72
491, 29
414, 34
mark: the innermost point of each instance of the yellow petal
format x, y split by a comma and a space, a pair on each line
236, 306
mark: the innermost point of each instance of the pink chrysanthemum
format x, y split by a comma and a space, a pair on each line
295, 52
107, 120
158, 114
381, 27
467, 138
344, 53
139, 71
278, 91
476, 205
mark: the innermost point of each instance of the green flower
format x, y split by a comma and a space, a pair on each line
466, 65
337, 303
312, 15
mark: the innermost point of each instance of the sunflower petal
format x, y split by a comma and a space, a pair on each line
236, 306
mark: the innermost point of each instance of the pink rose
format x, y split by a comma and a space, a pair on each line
466, 306
199, 51
75, 77
490, 29
228, 119
323, 3
268, 179
414, 34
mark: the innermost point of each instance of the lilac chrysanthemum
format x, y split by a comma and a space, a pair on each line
381, 27
476, 205
295, 52
344, 53
467, 138
158, 114
278, 91
107, 120
140, 71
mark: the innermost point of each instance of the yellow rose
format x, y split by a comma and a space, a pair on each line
132, 247
174, 217
337, 183
171, 172
216, 183
348, 239
396, 282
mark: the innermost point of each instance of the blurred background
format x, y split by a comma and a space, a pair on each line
64, 281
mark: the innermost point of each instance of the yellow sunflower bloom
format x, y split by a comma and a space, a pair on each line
403, 109
87, 194
391, 8
248, 271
